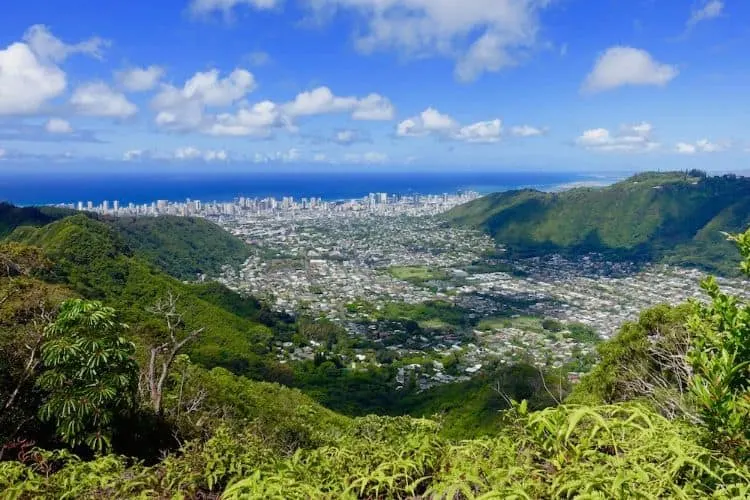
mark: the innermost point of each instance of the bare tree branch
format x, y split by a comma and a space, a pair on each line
164, 354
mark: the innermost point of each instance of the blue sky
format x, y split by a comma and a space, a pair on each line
361, 84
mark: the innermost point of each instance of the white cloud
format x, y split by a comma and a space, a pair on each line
98, 99
370, 157
255, 120
348, 136
619, 66
2, 152
483, 35
26, 82
225, 6
320, 157
187, 153
700, 146
212, 91
427, 122
133, 154
58, 126
323, 101
140, 79
374, 107
433, 122
710, 10
630, 139
50, 48
288, 156
481, 132
212, 155
685, 148
184, 108
526, 131
193, 153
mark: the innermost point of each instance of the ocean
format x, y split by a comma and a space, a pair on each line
55, 187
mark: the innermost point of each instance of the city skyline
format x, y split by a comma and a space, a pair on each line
363, 84
379, 202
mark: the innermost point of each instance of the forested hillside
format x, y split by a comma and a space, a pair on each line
94, 260
184, 247
12, 216
121, 381
671, 217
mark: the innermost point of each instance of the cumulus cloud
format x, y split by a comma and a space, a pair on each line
27, 82
140, 79
215, 91
29, 71
700, 146
433, 122
619, 66
288, 156
710, 10
481, 132
212, 155
50, 48
225, 6
184, 108
346, 137
370, 158
187, 153
322, 100
98, 99
427, 122
193, 153
629, 139
58, 126
255, 120
482, 35
134, 154
526, 131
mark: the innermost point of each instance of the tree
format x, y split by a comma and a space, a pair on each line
88, 371
720, 359
27, 306
162, 356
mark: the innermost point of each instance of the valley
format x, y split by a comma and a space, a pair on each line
413, 292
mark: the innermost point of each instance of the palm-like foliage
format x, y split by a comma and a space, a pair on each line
720, 358
88, 372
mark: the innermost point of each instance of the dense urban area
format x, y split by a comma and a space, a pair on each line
439, 300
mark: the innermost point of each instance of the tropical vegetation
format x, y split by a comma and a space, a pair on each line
671, 217
120, 380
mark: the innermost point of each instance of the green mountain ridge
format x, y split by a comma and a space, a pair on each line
184, 247
670, 217
222, 435
95, 261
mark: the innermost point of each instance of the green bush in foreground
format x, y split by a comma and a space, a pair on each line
609, 451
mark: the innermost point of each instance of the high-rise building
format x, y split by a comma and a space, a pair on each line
105, 206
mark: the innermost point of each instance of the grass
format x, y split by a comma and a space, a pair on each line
417, 274
433, 324
526, 323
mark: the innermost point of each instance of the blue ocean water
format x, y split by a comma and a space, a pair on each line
53, 187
